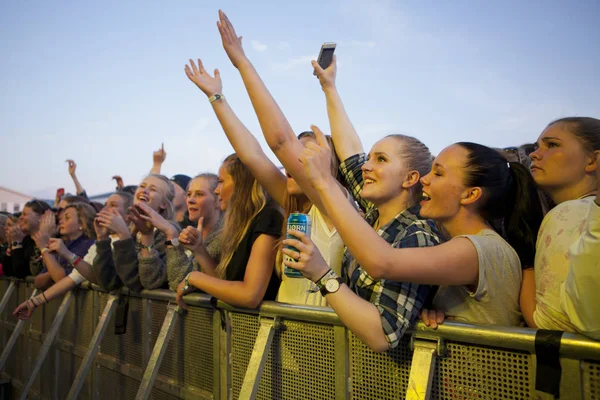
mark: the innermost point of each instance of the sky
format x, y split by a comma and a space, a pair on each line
103, 83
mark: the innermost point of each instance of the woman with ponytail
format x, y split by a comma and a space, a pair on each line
488, 207
563, 294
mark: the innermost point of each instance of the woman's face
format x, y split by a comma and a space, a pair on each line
116, 202
201, 201
29, 221
384, 172
443, 186
152, 191
69, 224
225, 187
559, 160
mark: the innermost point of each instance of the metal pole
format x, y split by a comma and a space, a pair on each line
7, 296
264, 338
62, 311
14, 337
423, 362
87, 361
157, 353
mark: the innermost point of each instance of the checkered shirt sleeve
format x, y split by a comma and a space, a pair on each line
351, 169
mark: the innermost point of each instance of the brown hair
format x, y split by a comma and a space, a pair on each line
417, 158
247, 200
586, 129
85, 215
37, 206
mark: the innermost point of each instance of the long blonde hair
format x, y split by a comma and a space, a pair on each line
247, 200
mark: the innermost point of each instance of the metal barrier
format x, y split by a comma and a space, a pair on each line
276, 352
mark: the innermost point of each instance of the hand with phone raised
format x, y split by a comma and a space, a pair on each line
208, 84
232, 43
326, 76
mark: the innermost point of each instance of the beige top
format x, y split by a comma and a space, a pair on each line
496, 298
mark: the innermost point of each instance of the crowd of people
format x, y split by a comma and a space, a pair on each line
475, 234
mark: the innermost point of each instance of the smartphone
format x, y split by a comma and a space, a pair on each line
60, 193
325, 55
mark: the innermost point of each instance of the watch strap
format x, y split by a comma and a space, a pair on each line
215, 97
324, 290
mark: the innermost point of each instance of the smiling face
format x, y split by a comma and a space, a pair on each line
70, 225
151, 191
443, 187
29, 221
201, 200
384, 172
225, 187
560, 159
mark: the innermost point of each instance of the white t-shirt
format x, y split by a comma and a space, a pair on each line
496, 298
301, 290
89, 258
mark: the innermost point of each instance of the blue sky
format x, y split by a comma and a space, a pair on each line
103, 82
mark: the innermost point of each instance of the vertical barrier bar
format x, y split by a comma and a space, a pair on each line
425, 352
342, 363
14, 337
258, 359
60, 315
94, 346
224, 356
7, 296
157, 354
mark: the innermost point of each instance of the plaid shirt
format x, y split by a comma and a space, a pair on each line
398, 303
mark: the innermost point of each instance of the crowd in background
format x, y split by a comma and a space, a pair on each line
475, 234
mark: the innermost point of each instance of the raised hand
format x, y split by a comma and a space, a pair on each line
146, 213
159, 156
48, 223
191, 238
316, 159
119, 180
141, 225
41, 239
101, 232
72, 167
203, 80
326, 76
58, 246
113, 222
231, 42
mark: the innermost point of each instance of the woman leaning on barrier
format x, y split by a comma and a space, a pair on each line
245, 275
82, 268
488, 207
290, 189
564, 291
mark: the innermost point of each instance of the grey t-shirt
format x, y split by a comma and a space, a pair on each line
496, 298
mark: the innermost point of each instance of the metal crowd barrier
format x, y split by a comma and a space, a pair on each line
69, 350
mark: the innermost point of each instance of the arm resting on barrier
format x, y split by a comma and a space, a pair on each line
152, 266
104, 266
580, 293
178, 265
25, 309
127, 264
249, 292
56, 271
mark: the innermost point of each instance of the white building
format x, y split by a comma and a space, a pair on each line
12, 201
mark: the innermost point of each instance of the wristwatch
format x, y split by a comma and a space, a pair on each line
149, 248
186, 284
329, 283
173, 242
215, 97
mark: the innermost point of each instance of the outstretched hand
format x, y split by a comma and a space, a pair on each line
231, 42
209, 85
316, 159
326, 76
72, 167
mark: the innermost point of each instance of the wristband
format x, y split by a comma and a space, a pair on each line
77, 261
186, 284
215, 97
44, 249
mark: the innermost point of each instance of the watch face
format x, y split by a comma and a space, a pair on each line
332, 285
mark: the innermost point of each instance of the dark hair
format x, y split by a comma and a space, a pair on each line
38, 206
528, 148
510, 202
97, 205
586, 129
417, 158
75, 199
127, 199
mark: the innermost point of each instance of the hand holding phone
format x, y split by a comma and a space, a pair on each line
325, 55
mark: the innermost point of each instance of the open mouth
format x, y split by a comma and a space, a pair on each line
368, 181
425, 196
144, 198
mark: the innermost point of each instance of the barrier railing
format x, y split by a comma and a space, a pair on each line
276, 352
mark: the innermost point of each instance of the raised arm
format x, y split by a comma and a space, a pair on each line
244, 143
345, 138
277, 131
158, 158
73, 172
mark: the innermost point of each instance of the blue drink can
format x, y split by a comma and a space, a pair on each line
298, 222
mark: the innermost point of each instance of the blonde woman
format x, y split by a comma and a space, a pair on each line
252, 226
